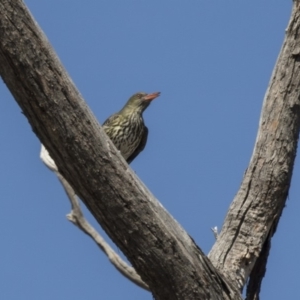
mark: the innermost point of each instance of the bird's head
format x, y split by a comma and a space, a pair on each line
140, 101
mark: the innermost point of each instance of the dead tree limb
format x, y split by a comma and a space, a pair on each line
243, 244
159, 249
77, 218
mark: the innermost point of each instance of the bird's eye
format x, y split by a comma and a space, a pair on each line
140, 95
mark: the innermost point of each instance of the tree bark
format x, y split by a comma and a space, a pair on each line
243, 245
163, 254
160, 250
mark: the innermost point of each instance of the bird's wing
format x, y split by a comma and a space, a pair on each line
140, 147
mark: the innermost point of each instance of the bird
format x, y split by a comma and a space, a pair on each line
127, 129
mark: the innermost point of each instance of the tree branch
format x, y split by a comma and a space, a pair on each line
163, 254
77, 218
159, 249
254, 213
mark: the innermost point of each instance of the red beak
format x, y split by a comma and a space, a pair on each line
152, 96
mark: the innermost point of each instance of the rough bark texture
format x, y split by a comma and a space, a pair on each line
160, 250
243, 245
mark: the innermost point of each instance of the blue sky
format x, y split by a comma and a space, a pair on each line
212, 62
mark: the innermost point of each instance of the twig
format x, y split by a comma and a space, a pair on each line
215, 232
77, 218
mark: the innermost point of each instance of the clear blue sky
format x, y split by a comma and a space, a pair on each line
212, 62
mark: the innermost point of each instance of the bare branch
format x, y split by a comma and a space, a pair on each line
159, 249
243, 244
77, 218
215, 231
163, 254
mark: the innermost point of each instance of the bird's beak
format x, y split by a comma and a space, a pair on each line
152, 96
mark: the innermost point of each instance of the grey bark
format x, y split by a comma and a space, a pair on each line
243, 245
77, 218
160, 250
